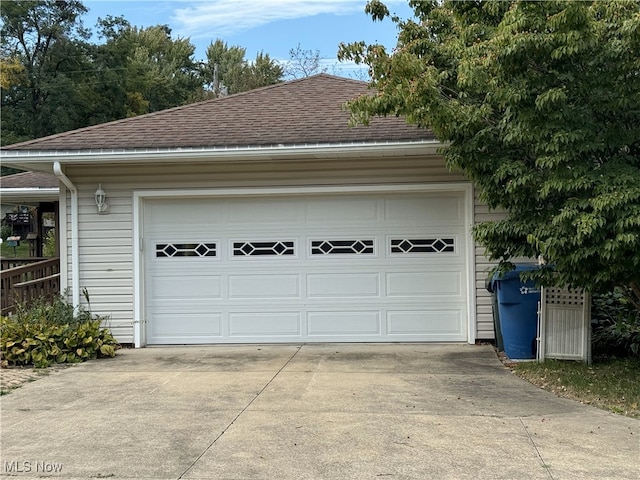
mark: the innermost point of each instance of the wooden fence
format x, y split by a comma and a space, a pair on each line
8, 263
27, 279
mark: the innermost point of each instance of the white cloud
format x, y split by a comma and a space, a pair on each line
223, 17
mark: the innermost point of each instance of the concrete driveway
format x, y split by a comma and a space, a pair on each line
334, 411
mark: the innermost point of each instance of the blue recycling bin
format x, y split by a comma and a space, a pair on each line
518, 311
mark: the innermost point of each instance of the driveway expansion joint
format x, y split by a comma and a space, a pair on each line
535, 447
235, 419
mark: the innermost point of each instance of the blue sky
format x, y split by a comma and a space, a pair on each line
271, 26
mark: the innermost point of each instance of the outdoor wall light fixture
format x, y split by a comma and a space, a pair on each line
101, 200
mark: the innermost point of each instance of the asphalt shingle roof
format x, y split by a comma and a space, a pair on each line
300, 112
29, 180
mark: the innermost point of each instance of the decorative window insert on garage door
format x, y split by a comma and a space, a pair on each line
366, 267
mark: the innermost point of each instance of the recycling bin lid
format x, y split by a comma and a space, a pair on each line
520, 267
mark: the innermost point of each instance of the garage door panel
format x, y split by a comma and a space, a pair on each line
274, 324
425, 284
169, 324
179, 286
333, 285
263, 212
183, 213
337, 210
426, 323
340, 324
256, 286
427, 209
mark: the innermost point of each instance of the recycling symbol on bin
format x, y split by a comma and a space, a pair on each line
527, 290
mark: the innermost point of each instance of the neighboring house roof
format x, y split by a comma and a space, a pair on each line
307, 111
29, 180
28, 187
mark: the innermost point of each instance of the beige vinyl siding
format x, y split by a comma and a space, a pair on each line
105, 241
285, 173
484, 310
106, 268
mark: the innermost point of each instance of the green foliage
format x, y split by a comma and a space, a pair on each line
261, 72
45, 96
142, 69
8, 170
43, 334
226, 70
615, 321
56, 312
5, 231
539, 105
49, 247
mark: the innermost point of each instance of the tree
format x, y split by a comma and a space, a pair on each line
539, 105
223, 67
261, 72
142, 70
46, 38
304, 63
227, 71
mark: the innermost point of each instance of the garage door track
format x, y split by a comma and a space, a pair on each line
331, 411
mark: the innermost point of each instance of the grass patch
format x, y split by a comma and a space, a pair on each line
612, 384
21, 251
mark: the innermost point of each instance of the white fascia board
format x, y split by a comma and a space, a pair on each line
35, 158
11, 195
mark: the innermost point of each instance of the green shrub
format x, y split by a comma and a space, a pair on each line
615, 322
42, 334
58, 311
49, 247
5, 231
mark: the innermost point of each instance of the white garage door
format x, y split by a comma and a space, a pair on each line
351, 268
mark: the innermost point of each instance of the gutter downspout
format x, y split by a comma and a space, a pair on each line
75, 251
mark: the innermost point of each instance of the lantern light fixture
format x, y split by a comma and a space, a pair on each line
101, 200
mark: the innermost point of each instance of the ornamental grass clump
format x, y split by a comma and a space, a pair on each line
42, 334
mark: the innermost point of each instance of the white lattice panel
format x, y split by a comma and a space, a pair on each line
564, 296
564, 325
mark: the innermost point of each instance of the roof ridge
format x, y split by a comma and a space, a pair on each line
168, 111
338, 77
